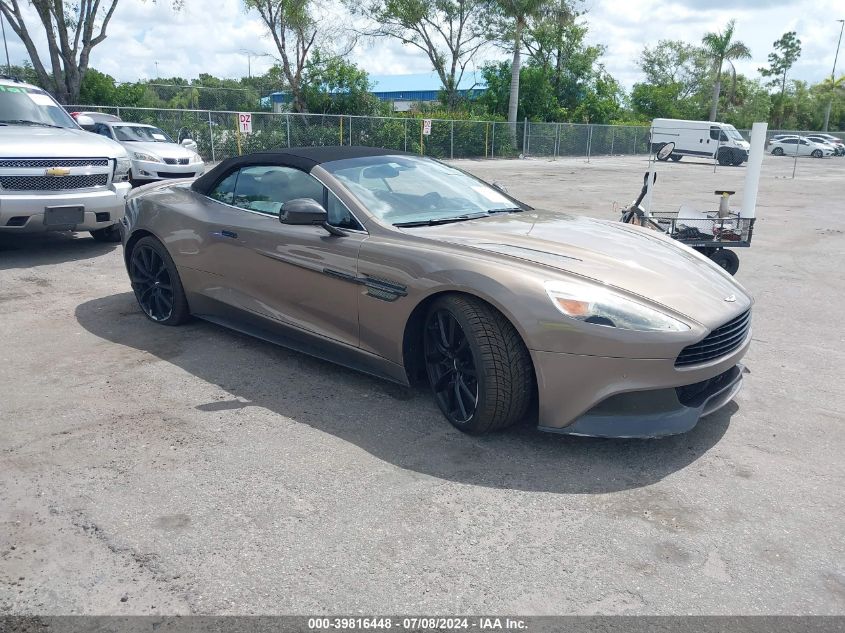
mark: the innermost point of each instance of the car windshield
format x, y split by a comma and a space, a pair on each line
140, 133
730, 130
410, 190
20, 105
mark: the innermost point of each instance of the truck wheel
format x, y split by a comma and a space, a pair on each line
738, 158
725, 157
478, 367
727, 259
676, 157
108, 234
778, 151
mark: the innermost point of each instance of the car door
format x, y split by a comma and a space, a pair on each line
296, 275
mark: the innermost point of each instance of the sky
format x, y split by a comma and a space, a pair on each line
148, 39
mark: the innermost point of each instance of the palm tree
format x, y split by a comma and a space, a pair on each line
516, 14
720, 48
834, 88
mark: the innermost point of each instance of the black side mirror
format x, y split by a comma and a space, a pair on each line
306, 212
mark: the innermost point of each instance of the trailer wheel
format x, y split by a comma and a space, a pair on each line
726, 259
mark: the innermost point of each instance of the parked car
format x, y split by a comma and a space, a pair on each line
55, 176
90, 119
838, 147
702, 139
406, 268
799, 145
154, 155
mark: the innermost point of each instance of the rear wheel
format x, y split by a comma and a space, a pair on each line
676, 157
727, 259
156, 283
778, 151
108, 234
478, 367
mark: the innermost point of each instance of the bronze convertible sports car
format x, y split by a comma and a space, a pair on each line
410, 269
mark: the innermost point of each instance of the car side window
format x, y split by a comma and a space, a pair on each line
265, 188
803, 142
224, 191
790, 141
340, 216
103, 130
714, 133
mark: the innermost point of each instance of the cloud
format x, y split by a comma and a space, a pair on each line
222, 39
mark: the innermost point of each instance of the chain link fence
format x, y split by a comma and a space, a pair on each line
217, 136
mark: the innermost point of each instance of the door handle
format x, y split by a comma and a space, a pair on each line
231, 234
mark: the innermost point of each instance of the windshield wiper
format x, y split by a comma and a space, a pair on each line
505, 210
27, 122
436, 221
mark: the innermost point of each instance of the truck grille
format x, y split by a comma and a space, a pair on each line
54, 162
50, 183
720, 342
176, 161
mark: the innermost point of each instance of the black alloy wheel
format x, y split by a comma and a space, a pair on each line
451, 367
156, 283
151, 282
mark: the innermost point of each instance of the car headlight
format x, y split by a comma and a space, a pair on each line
602, 306
121, 169
147, 157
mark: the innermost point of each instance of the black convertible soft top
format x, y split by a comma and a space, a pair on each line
303, 158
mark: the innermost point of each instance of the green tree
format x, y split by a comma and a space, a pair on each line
786, 53
831, 89
513, 18
294, 27
332, 85
675, 63
449, 32
720, 47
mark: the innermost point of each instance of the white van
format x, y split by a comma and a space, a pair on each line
703, 139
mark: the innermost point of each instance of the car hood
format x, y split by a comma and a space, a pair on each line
638, 261
30, 141
162, 150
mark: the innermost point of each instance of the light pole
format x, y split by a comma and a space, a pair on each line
5, 45
833, 78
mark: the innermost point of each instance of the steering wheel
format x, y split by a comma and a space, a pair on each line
432, 200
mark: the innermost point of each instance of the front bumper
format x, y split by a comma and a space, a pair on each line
24, 213
624, 397
147, 170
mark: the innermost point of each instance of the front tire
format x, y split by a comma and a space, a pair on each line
778, 151
478, 367
108, 234
156, 283
675, 157
817, 153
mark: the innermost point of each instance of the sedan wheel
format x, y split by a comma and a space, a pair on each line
817, 153
156, 283
478, 367
778, 151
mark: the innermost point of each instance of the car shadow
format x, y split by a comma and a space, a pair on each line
399, 425
28, 250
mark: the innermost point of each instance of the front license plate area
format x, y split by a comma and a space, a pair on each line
62, 216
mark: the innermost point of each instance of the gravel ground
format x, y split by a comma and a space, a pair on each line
194, 470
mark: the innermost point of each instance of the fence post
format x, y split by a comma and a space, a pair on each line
493, 141
557, 139
634, 148
211, 136
452, 140
350, 130
287, 126
525, 137
118, 111
406, 134
589, 142
612, 138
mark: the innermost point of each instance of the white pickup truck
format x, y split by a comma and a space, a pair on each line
55, 176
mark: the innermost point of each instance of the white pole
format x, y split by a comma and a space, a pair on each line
752, 174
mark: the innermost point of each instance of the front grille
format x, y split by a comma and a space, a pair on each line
176, 161
696, 394
54, 162
720, 342
51, 183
